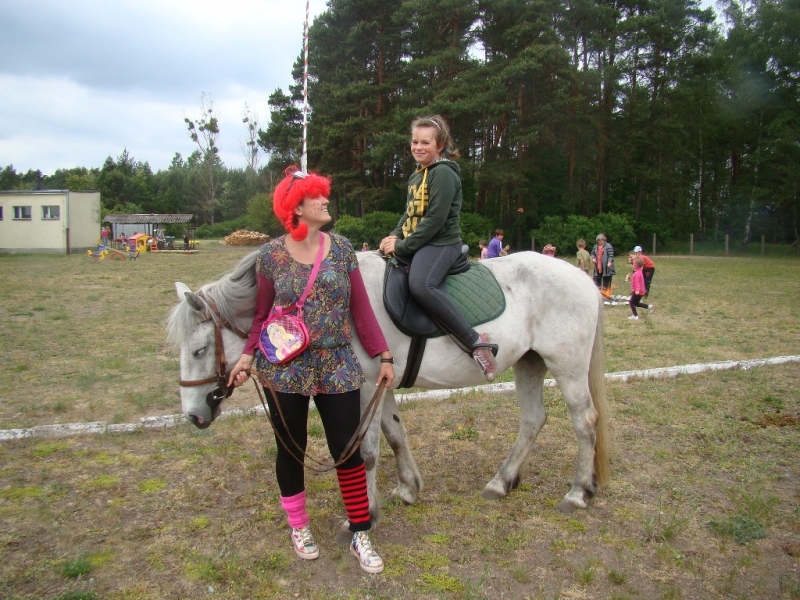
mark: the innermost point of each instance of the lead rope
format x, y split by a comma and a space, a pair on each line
352, 445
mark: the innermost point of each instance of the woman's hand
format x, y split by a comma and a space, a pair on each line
387, 244
386, 375
241, 370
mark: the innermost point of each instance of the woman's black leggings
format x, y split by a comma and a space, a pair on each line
340, 414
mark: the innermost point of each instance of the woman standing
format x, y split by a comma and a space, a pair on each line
328, 369
603, 259
429, 235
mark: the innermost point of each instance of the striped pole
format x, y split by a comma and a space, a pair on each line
304, 158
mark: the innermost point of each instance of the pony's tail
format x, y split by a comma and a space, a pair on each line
597, 388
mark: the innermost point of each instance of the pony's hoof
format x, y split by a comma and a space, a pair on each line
491, 494
566, 507
403, 495
344, 536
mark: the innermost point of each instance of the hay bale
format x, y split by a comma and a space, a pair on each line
243, 237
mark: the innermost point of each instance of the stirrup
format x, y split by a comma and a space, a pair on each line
493, 347
484, 359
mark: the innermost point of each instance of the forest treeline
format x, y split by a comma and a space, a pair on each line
652, 110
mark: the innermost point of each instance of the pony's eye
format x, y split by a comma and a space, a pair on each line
200, 352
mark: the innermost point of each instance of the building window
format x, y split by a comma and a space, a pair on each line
22, 212
51, 212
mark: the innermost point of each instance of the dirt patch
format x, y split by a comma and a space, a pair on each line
774, 420
185, 513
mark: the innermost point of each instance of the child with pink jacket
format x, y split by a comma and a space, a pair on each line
638, 290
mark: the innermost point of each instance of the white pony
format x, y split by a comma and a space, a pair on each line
553, 321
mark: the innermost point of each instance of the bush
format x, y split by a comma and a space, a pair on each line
259, 210
377, 225
372, 228
220, 230
563, 233
475, 228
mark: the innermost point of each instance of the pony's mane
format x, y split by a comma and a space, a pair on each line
233, 292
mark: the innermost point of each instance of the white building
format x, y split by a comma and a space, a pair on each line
49, 221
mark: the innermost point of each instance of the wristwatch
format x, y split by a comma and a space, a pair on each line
388, 360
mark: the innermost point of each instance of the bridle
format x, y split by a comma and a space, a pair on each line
222, 391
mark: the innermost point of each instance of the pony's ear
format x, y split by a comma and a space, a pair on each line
195, 301
181, 288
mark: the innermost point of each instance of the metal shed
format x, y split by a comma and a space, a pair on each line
124, 226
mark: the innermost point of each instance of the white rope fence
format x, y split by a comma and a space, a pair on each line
168, 421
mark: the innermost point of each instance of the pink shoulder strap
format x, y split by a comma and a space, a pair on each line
314, 271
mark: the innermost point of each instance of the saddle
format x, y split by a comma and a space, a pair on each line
471, 287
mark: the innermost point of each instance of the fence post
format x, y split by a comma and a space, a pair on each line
727, 237
654, 244
691, 244
762, 245
533, 243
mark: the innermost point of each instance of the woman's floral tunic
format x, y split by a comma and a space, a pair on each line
329, 365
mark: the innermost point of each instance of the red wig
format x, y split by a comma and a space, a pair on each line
289, 193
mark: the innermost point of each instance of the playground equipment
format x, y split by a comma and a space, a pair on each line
104, 252
140, 242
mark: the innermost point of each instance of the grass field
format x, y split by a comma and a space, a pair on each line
703, 501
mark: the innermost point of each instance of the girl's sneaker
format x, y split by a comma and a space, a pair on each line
362, 549
304, 545
633, 318
651, 309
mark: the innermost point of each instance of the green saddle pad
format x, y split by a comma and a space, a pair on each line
476, 294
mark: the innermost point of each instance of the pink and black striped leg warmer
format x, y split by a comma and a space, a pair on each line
353, 483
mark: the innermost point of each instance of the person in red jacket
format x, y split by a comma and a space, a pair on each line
648, 269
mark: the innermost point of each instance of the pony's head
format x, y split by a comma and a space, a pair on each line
209, 329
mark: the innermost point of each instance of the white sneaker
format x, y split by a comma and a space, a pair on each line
651, 309
362, 549
304, 545
633, 318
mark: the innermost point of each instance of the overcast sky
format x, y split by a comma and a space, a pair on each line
81, 80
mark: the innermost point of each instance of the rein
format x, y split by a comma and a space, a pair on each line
222, 390
352, 445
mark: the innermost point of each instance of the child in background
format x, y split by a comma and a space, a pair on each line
582, 258
648, 269
484, 249
631, 258
638, 290
549, 250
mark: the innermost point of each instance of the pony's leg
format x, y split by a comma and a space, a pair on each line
409, 483
529, 374
575, 390
370, 452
